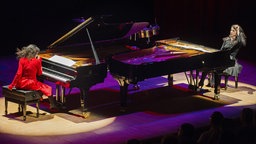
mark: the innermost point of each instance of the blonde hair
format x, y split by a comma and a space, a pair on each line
241, 33
29, 51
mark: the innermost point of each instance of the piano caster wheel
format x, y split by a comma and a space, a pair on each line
216, 97
86, 114
136, 87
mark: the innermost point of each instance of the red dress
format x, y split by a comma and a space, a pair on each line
26, 79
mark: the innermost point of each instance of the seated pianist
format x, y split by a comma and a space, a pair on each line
233, 43
30, 66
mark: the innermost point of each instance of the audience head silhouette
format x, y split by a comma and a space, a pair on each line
216, 118
247, 115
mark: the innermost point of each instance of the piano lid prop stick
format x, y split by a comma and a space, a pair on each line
93, 49
72, 32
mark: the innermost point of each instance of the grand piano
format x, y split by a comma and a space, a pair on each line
83, 65
169, 56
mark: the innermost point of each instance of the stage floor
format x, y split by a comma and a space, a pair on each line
153, 111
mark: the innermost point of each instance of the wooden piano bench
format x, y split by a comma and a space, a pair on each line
21, 97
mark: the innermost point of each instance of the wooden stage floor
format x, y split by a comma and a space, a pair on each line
153, 111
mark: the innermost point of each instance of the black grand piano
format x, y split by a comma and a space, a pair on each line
83, 65
169, 56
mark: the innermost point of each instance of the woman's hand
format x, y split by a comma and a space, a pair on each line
10, 87
237, 28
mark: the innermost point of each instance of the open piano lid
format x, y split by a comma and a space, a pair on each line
93, 31
99, 31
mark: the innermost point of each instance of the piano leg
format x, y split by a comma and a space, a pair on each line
217, 79
84, 103
123, 83
123, 96
170, 80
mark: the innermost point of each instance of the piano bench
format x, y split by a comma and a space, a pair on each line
21, 97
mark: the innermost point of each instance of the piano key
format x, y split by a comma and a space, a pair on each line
56, 77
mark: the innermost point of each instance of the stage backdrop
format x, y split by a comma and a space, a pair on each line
201, 21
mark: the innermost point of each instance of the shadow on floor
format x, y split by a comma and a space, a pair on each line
104, 103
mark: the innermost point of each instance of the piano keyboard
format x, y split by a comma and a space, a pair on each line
57, 76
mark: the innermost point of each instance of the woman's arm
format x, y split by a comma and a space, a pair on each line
39, 70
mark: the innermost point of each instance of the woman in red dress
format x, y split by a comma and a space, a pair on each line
30, 66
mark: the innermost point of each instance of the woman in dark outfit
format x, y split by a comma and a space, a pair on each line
232, 43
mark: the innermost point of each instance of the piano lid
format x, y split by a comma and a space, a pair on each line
72, 32
108, 38
99, 31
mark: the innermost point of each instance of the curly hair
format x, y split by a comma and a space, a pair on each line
29, 51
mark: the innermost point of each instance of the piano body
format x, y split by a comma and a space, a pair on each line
88, 60
168, 57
